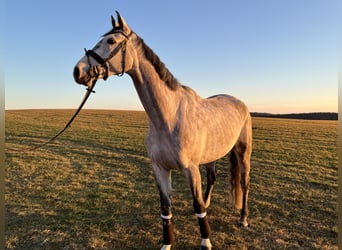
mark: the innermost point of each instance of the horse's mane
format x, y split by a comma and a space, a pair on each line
159, 66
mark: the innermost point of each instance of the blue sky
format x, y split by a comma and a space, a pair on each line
278, 56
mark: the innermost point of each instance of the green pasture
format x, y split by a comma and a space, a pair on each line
93, 187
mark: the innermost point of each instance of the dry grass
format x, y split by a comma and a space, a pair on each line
93, 188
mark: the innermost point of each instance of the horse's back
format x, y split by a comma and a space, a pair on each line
228, 101
227, 106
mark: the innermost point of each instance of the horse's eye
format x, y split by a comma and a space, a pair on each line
110, 41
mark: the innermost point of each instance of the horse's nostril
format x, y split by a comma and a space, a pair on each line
76, 73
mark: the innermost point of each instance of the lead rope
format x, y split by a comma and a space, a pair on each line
85, 98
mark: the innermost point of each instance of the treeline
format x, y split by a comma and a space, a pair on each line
303, 116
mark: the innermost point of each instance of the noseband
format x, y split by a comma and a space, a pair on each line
94, 71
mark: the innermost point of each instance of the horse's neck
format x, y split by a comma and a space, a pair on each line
159, 101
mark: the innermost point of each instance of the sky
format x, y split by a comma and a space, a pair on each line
278, 56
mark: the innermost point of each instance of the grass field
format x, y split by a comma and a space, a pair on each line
93, 188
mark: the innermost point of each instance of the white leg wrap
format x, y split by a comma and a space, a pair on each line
206, 243
202, 215
166, 217
166, 247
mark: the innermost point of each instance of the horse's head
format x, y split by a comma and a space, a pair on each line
109, 57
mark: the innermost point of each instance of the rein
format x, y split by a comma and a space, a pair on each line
85, 98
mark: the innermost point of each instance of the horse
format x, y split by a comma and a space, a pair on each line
185, 131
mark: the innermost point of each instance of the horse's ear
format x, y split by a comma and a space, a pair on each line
113, 22
122, 24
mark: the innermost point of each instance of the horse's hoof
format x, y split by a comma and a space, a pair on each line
205, 248
242, 224
206, 244
166, 247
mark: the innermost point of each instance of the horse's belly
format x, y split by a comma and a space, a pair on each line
215, 152
218, 142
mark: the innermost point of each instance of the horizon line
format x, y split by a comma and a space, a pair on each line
142, 110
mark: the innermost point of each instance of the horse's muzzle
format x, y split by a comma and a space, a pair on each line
76, 73
81, 75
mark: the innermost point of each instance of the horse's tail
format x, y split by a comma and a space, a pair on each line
236, 191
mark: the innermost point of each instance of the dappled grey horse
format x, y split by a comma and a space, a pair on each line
185, 131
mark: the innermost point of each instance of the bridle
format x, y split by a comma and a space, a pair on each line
94, 76
93, 71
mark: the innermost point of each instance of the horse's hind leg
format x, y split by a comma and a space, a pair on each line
244, 168
242, 151
163, 179
211, 178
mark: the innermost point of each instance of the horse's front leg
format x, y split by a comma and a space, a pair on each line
211, 178
194, 178
163, 179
